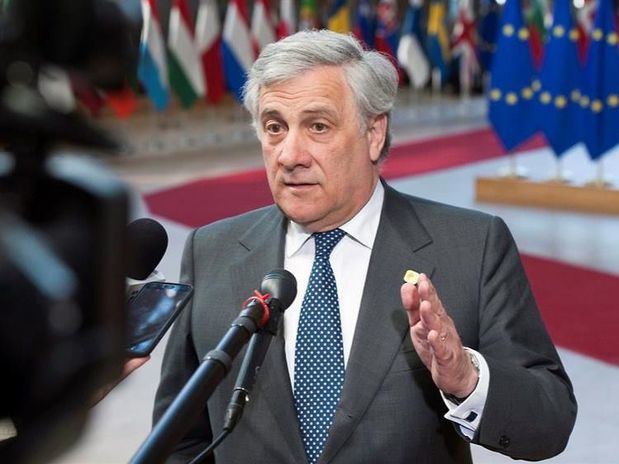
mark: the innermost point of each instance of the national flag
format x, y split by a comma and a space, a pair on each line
559, 96
600, 88
410, 52
437, 39
339, 16
464, 45
487, 33
185, 64
287, 24
511, 96
208, 42
584, 25
387, 30
365, 23
308, 15
238, 52
262, 26
537, 30
153, 64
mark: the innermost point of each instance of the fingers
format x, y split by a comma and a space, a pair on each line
410, 300
132, 364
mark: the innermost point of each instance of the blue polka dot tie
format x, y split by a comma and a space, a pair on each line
319, 356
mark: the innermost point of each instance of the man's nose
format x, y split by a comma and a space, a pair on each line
294, 151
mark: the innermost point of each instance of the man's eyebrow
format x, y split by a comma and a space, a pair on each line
269, 113
273, 113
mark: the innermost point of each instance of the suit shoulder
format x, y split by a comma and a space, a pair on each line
235, 225
430, 210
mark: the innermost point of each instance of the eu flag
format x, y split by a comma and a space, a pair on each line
559, 78
600, 87
511, 95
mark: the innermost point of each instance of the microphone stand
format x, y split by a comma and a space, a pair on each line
254, 356
182, 413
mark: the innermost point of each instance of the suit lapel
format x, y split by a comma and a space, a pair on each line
382, 323
265, 254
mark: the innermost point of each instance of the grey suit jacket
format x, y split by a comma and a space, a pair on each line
390, 411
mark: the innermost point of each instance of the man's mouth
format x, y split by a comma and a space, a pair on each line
299, 184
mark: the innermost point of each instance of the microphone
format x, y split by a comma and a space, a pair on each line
282, 286
182, 413
148, 242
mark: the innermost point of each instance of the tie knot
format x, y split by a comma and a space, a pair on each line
326, 241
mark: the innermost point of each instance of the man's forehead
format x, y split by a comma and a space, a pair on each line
318, 91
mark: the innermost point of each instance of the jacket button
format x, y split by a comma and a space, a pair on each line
504, 441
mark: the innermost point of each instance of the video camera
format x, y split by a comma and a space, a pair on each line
62, 226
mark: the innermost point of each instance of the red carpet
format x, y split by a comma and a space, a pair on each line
207, 200
580, 306
572, 299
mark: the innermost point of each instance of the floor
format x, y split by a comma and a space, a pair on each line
214, 144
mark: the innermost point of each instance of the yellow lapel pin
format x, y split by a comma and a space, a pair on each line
411, 277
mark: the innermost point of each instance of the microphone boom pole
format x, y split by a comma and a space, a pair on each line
182, 413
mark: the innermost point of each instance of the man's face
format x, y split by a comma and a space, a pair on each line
320, 165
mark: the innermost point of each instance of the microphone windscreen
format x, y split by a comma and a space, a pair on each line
148, 242
280, 284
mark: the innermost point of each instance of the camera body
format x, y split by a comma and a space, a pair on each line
62, 227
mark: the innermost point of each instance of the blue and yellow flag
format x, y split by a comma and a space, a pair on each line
559, 82
339, 16
437, 41
600, 87
511, 77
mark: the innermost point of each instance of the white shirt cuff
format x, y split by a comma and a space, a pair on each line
468, 413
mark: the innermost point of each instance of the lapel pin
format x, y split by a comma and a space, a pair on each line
411, 277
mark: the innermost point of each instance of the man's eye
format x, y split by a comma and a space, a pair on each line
273, 128
319, 127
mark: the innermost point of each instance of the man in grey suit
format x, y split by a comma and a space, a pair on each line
461, 356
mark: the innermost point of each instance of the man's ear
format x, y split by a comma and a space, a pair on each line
377, 133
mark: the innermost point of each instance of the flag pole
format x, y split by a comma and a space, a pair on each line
436, 81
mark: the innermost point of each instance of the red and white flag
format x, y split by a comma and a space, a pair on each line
584, 25
208, 43
262, 29
287, 24
464, 45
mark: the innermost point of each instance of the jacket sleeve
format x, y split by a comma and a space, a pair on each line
179, 363
530, 409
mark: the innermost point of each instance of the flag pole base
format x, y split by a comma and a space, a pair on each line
548, 195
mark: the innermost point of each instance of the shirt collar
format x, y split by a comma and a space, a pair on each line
362, 227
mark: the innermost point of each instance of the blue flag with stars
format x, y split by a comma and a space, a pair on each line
600, 86
511, 77
559, 80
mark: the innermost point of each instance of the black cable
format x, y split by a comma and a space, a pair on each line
209, 449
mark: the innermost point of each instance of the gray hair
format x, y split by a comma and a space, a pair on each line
370, 75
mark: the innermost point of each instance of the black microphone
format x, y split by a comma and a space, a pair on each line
282, 286
148, 241
187, 406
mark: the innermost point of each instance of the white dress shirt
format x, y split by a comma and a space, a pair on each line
350, 260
